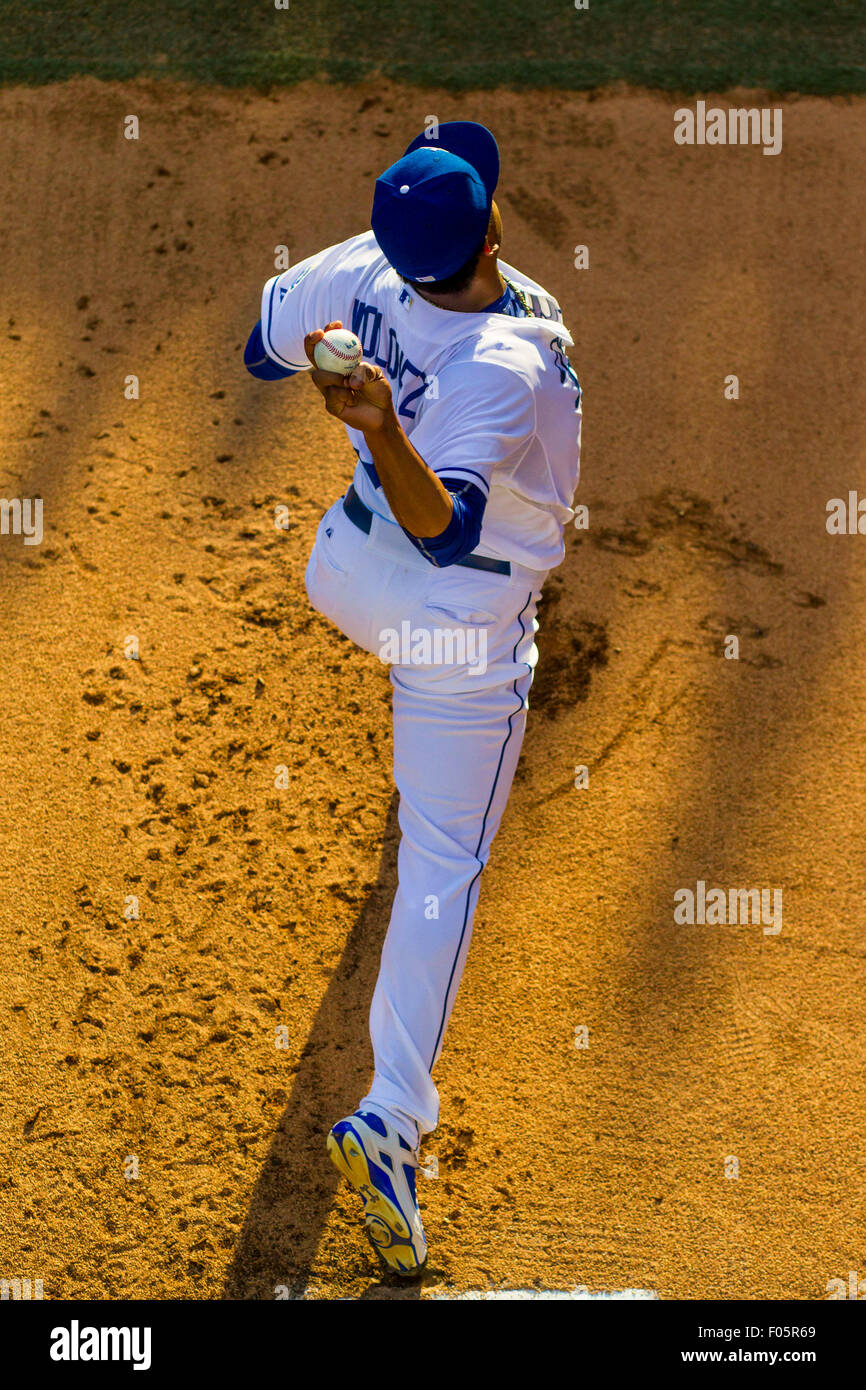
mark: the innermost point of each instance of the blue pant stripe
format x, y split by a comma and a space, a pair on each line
481, 839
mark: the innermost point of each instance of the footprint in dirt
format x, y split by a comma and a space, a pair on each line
570, 651
543, 215
546, 217
684, 518
718, 627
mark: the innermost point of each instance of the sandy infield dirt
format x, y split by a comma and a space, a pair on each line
154, 1039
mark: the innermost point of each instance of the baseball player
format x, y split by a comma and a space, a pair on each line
464, 416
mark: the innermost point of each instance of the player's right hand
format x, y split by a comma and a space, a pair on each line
316, 337
362, 399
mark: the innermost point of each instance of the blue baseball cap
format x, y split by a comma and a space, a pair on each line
431, 209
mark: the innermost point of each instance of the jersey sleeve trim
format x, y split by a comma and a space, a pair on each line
458, 474
268, 310
257, 361
463, 531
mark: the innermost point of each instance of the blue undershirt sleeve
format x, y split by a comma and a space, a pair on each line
257, 361
462, 533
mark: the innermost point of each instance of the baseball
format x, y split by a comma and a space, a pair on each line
339, 351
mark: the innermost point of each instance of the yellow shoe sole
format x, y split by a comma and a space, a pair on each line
387, 1228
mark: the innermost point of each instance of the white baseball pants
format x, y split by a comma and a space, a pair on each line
462, 652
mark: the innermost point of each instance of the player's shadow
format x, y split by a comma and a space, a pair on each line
294, 1193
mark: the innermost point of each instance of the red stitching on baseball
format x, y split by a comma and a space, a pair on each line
337, 351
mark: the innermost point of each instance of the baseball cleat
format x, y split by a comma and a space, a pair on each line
380, 1165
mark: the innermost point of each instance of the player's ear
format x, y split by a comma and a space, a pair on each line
494, 231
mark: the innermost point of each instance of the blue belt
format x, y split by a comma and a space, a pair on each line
362, 517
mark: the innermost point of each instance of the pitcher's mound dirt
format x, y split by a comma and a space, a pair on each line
188, 948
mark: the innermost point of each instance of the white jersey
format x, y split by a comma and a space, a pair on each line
485, 397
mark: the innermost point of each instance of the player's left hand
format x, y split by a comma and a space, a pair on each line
363, 399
